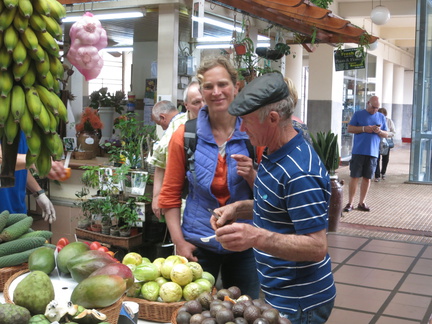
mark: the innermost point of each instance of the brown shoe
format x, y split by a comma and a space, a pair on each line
348, 208
363, 207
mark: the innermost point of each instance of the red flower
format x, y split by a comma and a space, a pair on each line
90, 121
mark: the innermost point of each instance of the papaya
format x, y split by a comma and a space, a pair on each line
42, 259
98, 291
116, 269
82, 265
68, 252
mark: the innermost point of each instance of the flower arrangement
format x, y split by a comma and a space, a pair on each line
90, 121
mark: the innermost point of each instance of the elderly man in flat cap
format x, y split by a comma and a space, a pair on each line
289, 209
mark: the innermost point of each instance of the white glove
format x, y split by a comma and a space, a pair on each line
48, 211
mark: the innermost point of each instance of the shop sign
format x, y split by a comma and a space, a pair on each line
349, 59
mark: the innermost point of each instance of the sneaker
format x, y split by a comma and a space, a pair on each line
377, 179
348, 208
383, 177
363, 207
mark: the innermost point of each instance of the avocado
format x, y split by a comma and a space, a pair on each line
42, 259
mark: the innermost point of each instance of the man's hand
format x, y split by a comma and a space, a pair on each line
245, 167
227, 215
236, 236
48, 211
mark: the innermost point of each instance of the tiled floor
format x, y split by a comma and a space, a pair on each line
380, 281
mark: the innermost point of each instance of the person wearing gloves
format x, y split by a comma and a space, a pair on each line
13, 198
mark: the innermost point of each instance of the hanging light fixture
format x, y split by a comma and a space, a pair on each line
380, 14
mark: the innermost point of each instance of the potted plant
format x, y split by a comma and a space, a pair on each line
103, 98
327, 147
88, 132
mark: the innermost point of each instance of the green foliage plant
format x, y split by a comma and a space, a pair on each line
103, 98
327, 147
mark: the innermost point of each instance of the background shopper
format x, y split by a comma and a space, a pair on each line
385, 157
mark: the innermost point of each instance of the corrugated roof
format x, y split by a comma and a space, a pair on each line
303, 17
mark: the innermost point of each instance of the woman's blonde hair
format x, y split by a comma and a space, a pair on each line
210, 63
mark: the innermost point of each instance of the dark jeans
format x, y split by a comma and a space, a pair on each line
316, 316
385, 161
237, 269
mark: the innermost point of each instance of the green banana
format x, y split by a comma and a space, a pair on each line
61, 109
48, 43
47, 98
9, 4
38, 55
10, 38
6, 83
43, 67
43, 162
19, 53
25, 8
29, 78
5, 59
48, 81
42, 7
53, 27
34, 142
51, 143
11, 129
56, 67
37, 22
6, 18
18, 104
60, 149
57, 10
33, 103
29, 39
30, 159
53, 121
20, 71
26, 122
20, 22
4, 109
44, 120
56, 87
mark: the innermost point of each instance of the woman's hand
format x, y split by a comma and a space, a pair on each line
186, 249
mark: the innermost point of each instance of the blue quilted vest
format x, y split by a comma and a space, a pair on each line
196, 217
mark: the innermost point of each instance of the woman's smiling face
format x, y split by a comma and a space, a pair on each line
218, 88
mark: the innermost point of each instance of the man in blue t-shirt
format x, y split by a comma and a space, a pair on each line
368, 126
289, 209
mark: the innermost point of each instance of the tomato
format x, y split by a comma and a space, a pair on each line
62, 242
103, 248
95, 245
88, 243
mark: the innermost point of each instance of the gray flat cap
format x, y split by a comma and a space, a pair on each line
264, 90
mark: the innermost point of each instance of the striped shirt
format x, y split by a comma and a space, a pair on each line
292, 192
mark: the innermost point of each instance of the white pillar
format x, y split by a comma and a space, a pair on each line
398, 99
387, 90
293, 70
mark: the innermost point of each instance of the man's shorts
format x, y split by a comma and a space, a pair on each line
362, 166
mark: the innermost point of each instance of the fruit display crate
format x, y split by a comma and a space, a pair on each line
123, 242
7, 272
62, 288
155, 311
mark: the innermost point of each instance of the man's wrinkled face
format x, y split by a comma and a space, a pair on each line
372, 106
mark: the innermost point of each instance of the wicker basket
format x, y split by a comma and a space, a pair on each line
112, 312
174, 317
155, 311
7, 272
123, 242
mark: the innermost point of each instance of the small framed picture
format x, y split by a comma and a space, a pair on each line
70, 143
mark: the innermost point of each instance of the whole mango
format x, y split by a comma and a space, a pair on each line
116, 269
99, 291
82, 265
68, 252
34, 292
42, 259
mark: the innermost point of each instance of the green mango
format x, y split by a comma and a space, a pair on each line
68, 252
98, 291
82, 265
42, 259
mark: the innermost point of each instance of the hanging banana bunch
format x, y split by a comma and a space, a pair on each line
30, 71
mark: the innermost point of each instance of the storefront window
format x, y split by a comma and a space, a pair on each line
421, 146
